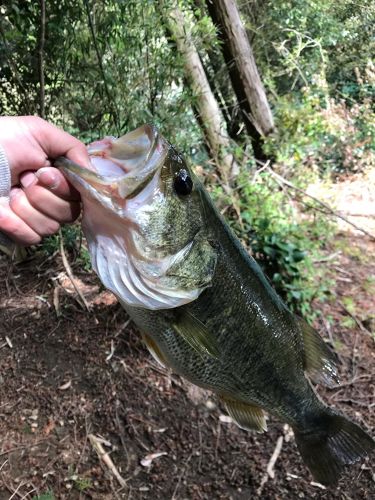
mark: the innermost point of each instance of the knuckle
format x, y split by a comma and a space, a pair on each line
32, 197
33, 240
18, 203
51, 228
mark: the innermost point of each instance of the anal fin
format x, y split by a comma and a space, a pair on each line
319, 359
247, 416
154, 349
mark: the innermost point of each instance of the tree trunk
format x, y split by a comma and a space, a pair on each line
220, 83
110, 100
210, 117
243, 71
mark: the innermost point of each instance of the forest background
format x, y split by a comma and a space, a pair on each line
104, 68
272, 104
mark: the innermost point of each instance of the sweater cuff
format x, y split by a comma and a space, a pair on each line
4, 175
4, 192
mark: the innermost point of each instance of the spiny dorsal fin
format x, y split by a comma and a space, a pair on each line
154, 349
319, 359
247, 416
195, 333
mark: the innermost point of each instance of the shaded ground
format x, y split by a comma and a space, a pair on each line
66, 374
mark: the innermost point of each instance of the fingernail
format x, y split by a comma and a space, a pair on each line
47, 177
28, 179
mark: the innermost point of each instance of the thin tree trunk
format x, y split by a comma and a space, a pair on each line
42, 38
210, 116
243, 71
110, 101
220, 83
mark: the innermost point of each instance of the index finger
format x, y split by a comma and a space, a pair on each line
56, 142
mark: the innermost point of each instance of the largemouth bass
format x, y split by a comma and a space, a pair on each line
203, 305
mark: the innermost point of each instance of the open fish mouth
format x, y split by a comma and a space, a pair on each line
119, 166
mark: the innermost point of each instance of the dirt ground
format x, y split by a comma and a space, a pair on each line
68, 374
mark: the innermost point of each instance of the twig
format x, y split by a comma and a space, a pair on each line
181, 476
354, 317
354, 380
120, 428
26, 447
28, 493
327, 207
16, 491
69, 272
274, 457
270, 473
42, 36
328, 257
103, 455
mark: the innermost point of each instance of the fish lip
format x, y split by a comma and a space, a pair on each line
126, 183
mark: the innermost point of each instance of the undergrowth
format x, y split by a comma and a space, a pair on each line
74, 245
322, 134
284, 238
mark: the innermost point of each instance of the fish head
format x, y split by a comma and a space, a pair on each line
144, 220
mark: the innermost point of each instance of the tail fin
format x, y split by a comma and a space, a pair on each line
332, 443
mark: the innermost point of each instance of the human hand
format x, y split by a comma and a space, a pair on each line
40, 196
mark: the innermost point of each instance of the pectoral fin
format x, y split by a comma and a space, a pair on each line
195, 333
246, 416
319, 360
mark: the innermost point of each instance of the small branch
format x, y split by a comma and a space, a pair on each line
354, 380
354, 317
106, 459
180, 477
42, 38
327, 207
69, 272
270, 473
274, 457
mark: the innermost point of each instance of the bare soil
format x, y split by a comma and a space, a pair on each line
67, 373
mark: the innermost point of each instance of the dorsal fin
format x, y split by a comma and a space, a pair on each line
247, 416
319, 359
195, 333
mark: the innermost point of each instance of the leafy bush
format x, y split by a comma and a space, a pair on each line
324, 136
283, 242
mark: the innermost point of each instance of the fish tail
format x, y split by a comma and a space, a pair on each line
331, 442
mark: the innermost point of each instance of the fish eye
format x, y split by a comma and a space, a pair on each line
183, 184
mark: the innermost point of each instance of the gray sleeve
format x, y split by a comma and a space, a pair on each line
4, 191
4, 175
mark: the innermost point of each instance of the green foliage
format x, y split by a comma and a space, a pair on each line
326, 136
319, 43
109, 68
44, 496
285, 244
82, 483
73, 244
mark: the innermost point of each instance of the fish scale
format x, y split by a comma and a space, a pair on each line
207, 312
